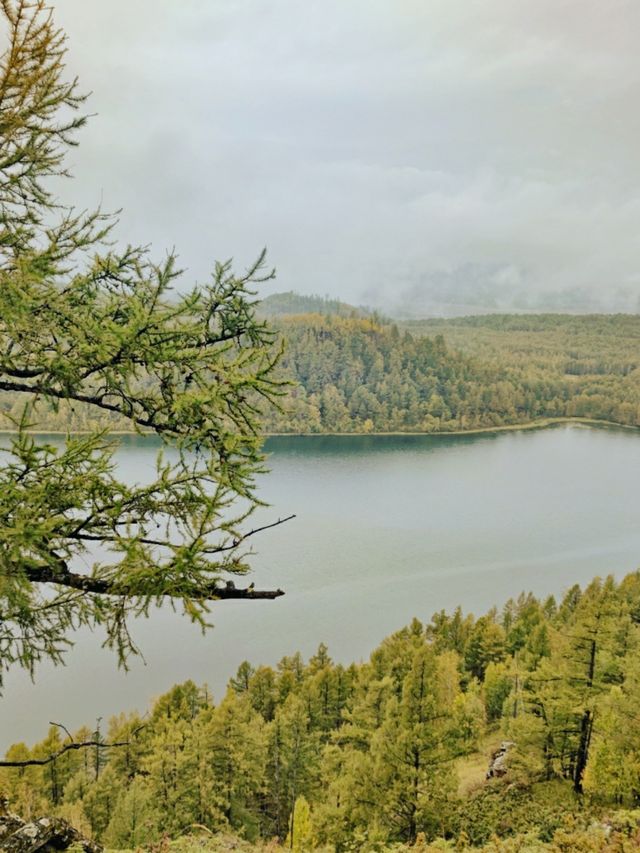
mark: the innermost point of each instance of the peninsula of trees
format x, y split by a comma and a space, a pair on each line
353, 373
356, 374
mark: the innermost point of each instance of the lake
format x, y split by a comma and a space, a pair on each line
387, 528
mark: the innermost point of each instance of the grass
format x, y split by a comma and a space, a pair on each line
472, 768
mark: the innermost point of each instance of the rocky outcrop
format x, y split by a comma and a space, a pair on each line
498, 764
43, 835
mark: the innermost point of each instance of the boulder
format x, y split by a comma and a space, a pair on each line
45, 834
498, 763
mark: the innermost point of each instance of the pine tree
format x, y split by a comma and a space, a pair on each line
300, 837
235, 758
131, 824
486, 645
412, 751
293, 761
567, 689
86, 326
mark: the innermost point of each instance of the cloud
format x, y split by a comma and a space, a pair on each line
377, 148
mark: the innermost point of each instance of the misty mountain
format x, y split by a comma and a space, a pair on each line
484, 289
291, 303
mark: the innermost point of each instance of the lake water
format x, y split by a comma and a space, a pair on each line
387, 528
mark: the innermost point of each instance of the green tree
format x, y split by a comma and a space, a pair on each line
85, 326
412, 751
24, 787
292, 763
235, 757
497, 685
169, 774
300, 837
486, 645
568, 689
131, 822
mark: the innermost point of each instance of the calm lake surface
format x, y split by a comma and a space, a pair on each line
388, 528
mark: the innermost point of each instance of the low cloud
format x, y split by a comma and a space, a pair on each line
403, 154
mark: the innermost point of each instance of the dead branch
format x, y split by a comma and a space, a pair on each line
85, 744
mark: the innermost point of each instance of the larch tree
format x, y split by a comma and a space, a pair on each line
89, 327
413, 750
568, 690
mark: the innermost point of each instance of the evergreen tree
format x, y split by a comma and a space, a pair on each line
235, 756
86, 325
486, 645
131, 824
567, 689
300, 837
293, 761
412, 751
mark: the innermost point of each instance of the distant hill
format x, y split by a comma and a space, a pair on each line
358, 374
291, 303
355, 374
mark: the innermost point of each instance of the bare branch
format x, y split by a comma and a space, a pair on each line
64, 729
39, 762
242, 538
61, 576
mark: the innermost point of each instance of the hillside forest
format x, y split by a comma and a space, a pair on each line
390, 751
359, 373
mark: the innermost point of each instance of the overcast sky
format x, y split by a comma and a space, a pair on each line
403, 154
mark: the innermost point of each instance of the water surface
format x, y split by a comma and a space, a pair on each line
387, 528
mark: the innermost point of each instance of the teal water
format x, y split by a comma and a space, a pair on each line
387, 528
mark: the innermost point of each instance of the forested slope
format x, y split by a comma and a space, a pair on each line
567, 345
361, 374
363, 756
292, 303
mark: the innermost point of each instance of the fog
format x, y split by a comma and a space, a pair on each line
438, 156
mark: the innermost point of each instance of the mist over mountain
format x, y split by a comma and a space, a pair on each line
466, 291
476, 289
424, 158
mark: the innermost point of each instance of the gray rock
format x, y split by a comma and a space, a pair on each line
44, 835
498, 763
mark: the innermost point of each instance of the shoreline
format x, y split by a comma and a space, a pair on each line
543, 423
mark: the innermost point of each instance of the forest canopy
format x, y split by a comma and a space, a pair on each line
359, 374
389, 751
363, 375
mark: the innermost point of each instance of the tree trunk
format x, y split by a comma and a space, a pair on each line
586, 726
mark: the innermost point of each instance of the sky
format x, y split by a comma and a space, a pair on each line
417, 156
